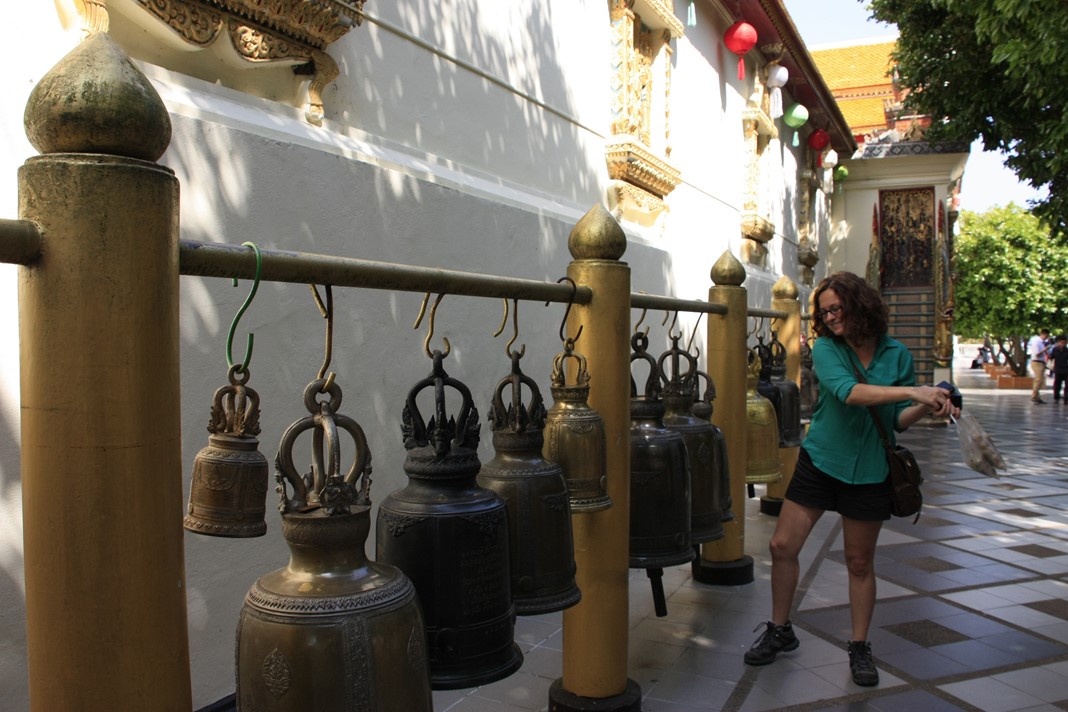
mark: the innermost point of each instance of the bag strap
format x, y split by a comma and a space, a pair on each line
874, 416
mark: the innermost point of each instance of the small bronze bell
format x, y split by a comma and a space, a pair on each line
228, 491
789, 410
533, 489
574, 436
331, 631
659, 482
762, 431
702, 408
809, 382
450, 537
698, 434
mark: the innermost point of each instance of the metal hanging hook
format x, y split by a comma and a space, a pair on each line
243, 366
515, 329
430, 326
674, 321
327, 310
639, 324
689, 344
567, 311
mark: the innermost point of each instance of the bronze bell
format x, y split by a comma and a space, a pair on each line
698, 434
331, 631
533, 489
762, 431
659, 482
574, 436
789, 410
702, 408
450, 536
228, 491
809, 382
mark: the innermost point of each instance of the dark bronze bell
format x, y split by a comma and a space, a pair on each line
450, 536
705, 496
789, 409
574, 436
702, 408
809, 382
659, 482
331, 631
228, 491
762, 430
533, 489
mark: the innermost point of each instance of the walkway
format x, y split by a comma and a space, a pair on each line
973, 600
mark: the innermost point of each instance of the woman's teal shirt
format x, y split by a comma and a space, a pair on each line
842, 439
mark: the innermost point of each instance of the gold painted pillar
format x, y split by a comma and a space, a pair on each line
595, 630
784, 297
101, 431
724, 562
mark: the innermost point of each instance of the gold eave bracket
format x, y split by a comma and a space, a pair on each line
630, 161
756, 227
759, 120
294, 31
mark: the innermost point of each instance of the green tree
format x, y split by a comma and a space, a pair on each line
1009, 280
995, 69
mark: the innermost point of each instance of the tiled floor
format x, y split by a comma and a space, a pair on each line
973, 600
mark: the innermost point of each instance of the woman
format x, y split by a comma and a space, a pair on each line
842, 464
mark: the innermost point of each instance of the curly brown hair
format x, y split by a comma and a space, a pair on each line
863, 309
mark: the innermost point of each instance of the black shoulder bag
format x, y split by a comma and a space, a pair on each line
905, 477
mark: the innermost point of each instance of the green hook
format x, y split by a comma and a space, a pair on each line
243, 366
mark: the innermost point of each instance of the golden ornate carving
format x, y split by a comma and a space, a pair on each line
629, 202
630, 161
944, 296
640, 52
757, 227
295, 31
759, 130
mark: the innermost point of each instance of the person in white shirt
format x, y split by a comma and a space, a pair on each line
1038, 348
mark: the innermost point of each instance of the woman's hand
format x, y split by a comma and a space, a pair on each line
936, 399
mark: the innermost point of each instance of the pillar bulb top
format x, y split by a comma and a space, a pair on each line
597, 236
785, 288
95, 100
728, 271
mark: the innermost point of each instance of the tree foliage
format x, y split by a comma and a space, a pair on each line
995, 69
1009, 279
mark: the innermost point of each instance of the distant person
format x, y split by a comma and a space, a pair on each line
1058, 365
1038, 347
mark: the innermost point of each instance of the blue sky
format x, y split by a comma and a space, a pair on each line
821, 22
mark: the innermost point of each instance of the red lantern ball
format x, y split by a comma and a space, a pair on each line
817, 141
740, 38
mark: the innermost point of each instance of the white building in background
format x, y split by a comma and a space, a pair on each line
466, 134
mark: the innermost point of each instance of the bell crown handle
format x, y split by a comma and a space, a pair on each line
517, 416
442, 432
639, 342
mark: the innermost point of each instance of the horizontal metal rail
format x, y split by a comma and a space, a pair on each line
655, 301
20, 242
222, 260
766, 313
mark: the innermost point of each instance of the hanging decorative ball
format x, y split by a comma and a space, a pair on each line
841, 173
740, 38
817, 141
795, 117
830, 159
778, 75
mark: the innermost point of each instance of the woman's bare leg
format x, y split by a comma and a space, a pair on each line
791, 531
860, 539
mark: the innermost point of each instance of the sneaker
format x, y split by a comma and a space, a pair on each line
1037, 400
776, 639
861, 664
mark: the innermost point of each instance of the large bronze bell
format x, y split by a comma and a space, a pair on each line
228, 491
698, 434
703, 409
789, 409
542, 560
450, 536
331, 631
762, 431
659, 482
574, 436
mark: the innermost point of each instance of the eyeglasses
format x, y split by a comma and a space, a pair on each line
829, 311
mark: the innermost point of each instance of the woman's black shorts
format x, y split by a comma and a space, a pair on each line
812, 487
